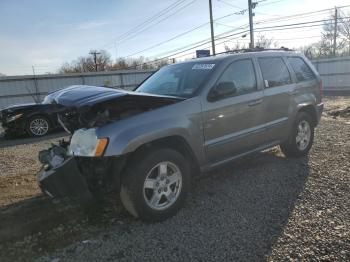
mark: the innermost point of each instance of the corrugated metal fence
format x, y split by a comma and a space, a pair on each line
335, 74
28, 89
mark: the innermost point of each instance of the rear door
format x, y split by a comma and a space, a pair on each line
279, 88
234, 124
307, 82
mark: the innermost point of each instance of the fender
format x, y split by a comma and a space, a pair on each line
127, 135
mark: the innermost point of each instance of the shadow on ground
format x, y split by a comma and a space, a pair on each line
233, 213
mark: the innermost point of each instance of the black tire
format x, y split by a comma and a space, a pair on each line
132, 185
291, 148
31, 132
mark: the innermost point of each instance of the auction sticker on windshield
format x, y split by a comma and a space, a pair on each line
203, 66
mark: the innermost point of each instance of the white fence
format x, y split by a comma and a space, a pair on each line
335, 74
28, 89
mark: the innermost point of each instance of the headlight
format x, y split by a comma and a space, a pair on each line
13, 118
84, 142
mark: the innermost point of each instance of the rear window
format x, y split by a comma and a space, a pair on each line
302, 71
274, 71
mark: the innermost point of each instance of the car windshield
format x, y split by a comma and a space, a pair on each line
180, 80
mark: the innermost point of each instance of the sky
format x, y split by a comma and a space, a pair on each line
44, 34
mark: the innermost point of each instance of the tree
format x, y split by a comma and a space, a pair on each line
104, 63
327, 40
264, 42
87, 63
236, 46
344, 30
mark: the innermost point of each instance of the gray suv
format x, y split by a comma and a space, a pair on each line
185, 119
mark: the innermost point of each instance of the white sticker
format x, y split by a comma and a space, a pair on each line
203, 66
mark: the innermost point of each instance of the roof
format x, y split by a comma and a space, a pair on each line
230, 54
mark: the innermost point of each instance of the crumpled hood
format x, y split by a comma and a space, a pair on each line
83, 95
91, 106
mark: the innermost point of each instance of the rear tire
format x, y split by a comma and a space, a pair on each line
301, 137
38, 126
155, 184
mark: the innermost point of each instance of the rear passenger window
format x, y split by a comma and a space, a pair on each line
301, 69
274, 71
242, 74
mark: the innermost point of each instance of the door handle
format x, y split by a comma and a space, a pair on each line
255, 102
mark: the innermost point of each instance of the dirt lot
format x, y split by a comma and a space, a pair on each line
264, 207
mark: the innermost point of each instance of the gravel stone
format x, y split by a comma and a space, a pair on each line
264, 207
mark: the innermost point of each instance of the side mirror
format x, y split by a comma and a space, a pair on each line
223, 89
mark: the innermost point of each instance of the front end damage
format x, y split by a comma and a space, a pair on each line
77, 168
75, 177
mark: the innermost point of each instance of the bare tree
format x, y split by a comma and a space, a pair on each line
236, 46
103, 62
264, 42
344, 30
326, 44
87, 63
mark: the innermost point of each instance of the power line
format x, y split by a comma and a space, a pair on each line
166, 41
177, 36
229, 4
158, 22
152, 21
282, 18
262, 29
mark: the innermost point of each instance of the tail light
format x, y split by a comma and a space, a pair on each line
321, 88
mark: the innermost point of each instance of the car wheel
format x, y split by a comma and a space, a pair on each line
155, 184
38, 126
301, 137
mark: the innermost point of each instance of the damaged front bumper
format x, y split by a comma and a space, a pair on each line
64, 180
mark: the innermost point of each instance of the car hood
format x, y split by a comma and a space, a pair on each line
81, 96
18, 107
91, 106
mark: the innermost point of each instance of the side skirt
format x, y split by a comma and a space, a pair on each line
209, 167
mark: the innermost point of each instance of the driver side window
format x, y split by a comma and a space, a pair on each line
242, 74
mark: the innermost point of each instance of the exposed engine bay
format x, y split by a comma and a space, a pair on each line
99, 112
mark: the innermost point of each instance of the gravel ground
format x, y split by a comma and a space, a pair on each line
265, 207
18, 167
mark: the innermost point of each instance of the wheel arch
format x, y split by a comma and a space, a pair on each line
311, 110
36, 114
175, 142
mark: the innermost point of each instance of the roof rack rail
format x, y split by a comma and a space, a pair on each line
255, 49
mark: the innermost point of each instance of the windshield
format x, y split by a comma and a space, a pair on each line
180, 80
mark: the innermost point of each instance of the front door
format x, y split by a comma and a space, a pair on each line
233, 124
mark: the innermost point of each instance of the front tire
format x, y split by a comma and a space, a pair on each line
301, 137
155, 184
38, 126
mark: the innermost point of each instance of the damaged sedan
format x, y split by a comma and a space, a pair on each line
185, 119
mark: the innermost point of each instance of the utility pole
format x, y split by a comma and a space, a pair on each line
211, 27
95, 53
251, 29
335, 31
116, 51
